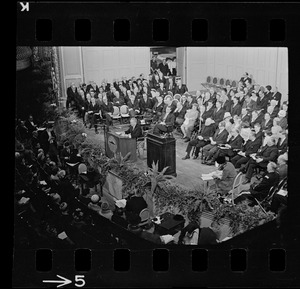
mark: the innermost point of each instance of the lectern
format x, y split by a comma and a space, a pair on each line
163, 151
115, 143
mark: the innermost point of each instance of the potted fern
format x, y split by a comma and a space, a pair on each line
156, 178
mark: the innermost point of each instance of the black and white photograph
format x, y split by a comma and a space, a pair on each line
169, 145
154, 163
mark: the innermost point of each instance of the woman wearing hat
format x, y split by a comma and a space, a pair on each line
105, 211
224, 180
189, 121
282, 119
272, 109
95, 203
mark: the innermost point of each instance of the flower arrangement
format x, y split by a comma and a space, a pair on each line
242, 217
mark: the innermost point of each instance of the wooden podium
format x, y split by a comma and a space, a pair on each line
115, 144
162, 150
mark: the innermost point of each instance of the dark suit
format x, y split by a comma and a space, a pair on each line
235, 143
275, 112
169, 122
180, 90
282, 147
267, 153
262, 103
135, 132
164, 68
133, 107
134, 206
158, 110
30, 127
265, 126
261, 190
118, 101
206, 133
145, 106
220, 138
71, 97
250, 147
276, 96
49, 145
208, 113
227, 106
92, 116
236, 110
179, 116
105, 110
246, 119
218, 116
257, 120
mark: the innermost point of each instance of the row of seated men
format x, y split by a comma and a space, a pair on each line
250, 104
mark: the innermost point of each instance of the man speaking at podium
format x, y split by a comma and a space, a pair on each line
134, 130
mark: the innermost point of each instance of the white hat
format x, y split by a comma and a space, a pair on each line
95, 198
227, 114
282, 113
273, 102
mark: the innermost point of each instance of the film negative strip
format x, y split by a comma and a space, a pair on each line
84, 248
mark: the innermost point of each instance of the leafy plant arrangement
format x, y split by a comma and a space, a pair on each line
68, 128
156, 178
242, 217
190, 203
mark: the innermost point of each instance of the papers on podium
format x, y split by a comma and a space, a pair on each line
207, 177
121, 203
166, 238
282, 193
62, 235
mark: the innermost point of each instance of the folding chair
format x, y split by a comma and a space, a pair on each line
140, 143
228, 82
177, 96
124, 112
236, 187
116, 114
145, 217
215, 81
222, 82
234, 83
266, 202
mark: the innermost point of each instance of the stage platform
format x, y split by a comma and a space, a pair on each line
188, 171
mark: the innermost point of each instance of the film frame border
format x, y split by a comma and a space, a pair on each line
258, 17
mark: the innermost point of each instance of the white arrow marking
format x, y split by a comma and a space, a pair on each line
63, 282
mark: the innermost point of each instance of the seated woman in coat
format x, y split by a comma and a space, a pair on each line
224, 176
189, 121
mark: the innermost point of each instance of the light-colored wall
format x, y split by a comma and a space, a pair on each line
71, 67
114, 62
269, 66
85, 64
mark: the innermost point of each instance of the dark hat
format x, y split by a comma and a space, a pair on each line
220, 160
19, 147
105, 207
63, 206
178, 218
268, 87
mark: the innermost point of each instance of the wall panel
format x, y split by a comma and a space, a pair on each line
268, 65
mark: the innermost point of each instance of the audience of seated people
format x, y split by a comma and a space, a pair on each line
238, 129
